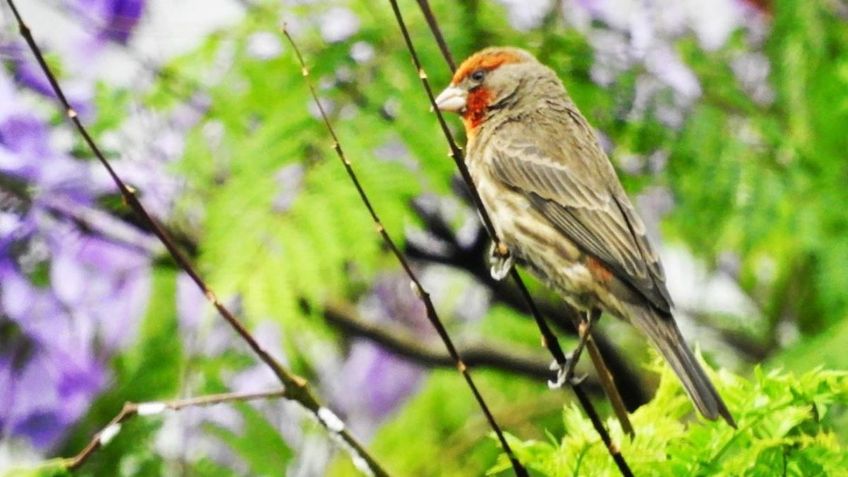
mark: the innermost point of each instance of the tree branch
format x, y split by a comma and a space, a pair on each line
400, 342
437, 33
131, 409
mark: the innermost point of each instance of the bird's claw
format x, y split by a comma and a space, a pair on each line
500, 260
564, 374
560, 376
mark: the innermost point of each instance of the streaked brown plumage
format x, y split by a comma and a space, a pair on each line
557, 204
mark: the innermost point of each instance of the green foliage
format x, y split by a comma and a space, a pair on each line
51, 468
786, 425
259, 444
443, 420
764, 179
275, 255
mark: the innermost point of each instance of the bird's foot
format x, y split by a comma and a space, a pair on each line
560, 375
584, 331
500, 260
564, 374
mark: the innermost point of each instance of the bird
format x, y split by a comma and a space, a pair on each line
558, 207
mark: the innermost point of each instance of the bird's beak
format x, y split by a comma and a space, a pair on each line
452, 99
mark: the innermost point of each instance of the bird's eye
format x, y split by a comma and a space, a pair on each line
478, 75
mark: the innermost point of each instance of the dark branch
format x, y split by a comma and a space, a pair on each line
437, 33
400, 342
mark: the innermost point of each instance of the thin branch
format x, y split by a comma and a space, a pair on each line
297, 388
402, 343
549, 340
417, 287
583, 332
131, 409
437, 33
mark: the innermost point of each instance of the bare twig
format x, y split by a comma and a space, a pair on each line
549, 340
437, 33
296, 387
416, 285
583, 332
605, 377
132, 409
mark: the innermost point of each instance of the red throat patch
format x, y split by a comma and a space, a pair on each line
475, 108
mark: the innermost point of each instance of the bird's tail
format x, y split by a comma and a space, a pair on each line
666, 337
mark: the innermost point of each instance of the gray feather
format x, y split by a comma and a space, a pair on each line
667, 339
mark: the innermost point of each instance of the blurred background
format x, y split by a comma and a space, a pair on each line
726, 121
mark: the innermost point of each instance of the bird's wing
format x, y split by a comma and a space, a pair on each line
569, 180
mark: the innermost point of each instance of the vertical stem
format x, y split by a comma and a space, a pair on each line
417, 287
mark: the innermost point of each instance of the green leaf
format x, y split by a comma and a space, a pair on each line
258, 443
50, 468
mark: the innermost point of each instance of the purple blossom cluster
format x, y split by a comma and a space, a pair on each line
115, 20
372, 383
74, 281
383, 380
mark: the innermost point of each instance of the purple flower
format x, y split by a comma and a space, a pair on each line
115, 19
30, 74
27, 73
50, 369
104, 283
54, 362
371, 382
70, 296
376, 381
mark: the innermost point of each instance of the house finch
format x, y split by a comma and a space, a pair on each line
557, 205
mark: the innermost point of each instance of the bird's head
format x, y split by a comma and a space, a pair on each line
487, 81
